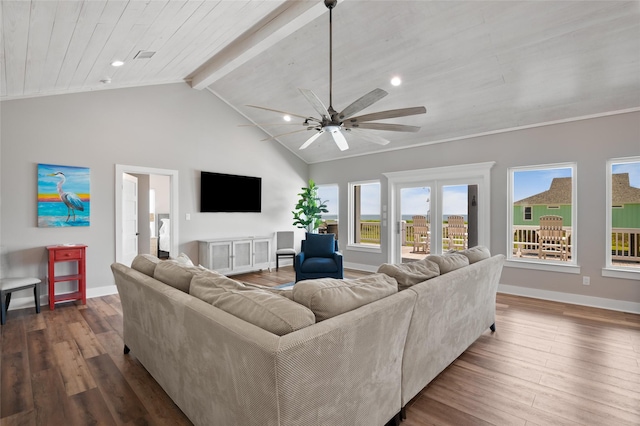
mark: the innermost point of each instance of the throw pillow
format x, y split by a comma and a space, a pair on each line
184, 259
145, 263
266, 310
476, 254
412, 273
319, 245
328, 297
449, 262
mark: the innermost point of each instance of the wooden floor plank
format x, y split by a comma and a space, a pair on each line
123, 402
52, 405
40, 351
548, 363
92, 408
15, 386
73, 367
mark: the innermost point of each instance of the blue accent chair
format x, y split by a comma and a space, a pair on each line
319, 258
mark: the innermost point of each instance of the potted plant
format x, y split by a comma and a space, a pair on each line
307, 213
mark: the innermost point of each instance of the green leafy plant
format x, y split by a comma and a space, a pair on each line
308, 211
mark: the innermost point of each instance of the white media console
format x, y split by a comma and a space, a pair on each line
235, 255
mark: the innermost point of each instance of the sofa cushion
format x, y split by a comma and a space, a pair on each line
176, 274
328, 297
269, 311
412, 273
449, 261
209, 285
319, 245
319, 264
145, 263
476, 254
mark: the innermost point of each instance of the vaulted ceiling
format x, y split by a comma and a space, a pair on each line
477, 66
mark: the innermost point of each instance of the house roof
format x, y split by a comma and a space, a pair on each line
623, 192
560, 192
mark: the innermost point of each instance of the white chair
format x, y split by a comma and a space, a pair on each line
9, 285
284, 246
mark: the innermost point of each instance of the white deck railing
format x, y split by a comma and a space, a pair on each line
625, 242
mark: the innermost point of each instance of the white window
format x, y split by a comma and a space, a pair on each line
623, 218
364, 215
542, 217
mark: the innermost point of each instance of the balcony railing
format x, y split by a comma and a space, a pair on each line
625, 242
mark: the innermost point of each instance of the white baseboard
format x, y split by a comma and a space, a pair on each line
27, 301
574, 299
360, 267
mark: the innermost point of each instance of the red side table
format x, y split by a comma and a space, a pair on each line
67, 253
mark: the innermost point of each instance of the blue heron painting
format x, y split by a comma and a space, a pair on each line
63, 196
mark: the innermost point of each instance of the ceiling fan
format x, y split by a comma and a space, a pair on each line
335, 123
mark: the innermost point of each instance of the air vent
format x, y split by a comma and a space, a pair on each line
144, 54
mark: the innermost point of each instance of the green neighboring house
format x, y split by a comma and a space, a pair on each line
625, 203
557, 200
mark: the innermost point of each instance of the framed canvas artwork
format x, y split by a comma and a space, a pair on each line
63, 196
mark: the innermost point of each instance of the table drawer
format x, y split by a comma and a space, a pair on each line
68, 254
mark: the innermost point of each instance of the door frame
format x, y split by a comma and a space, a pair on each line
477, 173
173, 207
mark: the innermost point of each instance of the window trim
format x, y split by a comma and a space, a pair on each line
610, 270
351, 245
571, 266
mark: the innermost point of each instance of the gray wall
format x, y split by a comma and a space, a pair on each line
590, 143
176, 127
168, 127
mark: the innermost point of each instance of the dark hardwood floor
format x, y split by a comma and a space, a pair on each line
547, 364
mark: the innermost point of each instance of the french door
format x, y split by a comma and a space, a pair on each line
441, 195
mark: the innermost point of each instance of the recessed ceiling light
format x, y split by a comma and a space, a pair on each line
396, 81
117, 63
287, 118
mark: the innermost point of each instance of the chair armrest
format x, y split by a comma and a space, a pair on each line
337, 257
299, 259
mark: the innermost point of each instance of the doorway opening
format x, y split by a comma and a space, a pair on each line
155, 219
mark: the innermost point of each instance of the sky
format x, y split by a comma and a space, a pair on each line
77, 179
633, 169
530, 182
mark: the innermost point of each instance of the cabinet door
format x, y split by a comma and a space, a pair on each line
242, 254
261, 253
220, 256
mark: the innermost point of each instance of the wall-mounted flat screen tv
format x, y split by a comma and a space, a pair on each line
223, 193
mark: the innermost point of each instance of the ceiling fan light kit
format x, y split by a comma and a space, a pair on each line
335, 123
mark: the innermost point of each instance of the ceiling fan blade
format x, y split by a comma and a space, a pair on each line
369, 136
339, 139
382, 126
311, 139
315, 102
369, 99
284, 112
284, 134
392, 113
272, 124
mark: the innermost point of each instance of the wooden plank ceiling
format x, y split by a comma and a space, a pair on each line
477, 66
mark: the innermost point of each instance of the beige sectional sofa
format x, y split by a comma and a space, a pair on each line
350, 352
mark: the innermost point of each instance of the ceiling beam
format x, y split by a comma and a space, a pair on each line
285, 20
